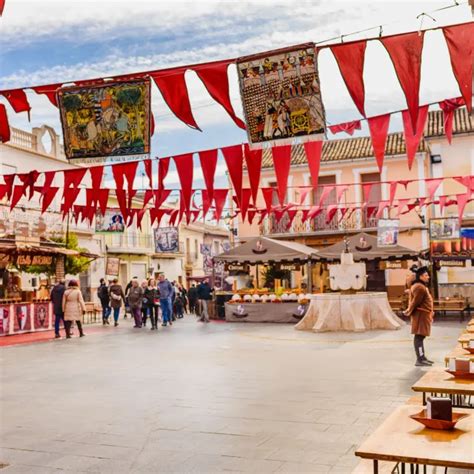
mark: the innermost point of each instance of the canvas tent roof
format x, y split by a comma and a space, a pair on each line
272, 251
368, 251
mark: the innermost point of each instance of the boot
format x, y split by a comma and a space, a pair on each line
67, 328
79, 326
424, 359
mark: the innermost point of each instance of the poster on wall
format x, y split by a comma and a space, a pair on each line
105, 120
21, 317
166, 239
42, 315
4, 319
446, 240
281, 95
112, 266
446, 228
207, 264
387, 232
111, 221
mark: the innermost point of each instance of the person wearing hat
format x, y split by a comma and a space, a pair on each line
420, 309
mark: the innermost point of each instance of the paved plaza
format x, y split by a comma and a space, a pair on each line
204, 398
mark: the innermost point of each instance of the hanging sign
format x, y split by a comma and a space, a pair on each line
452, 263
34, 260
112, 266
236, 267
387, 232
392, 264
281, 95
106, 120
289, 266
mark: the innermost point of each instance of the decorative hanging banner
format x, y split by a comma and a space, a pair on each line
281, 95
101, 121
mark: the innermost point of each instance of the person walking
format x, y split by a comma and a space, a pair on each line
127, 289
204, 295
144, 285
193, 299
117, 297
74, 308
135, 301
104, 298
153, 297
57, 299
184, 295
166, 293
420, 310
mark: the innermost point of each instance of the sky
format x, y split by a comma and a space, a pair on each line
46, 41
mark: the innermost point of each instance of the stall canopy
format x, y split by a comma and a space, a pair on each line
364, 247
263, 250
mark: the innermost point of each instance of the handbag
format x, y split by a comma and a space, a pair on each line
116, 297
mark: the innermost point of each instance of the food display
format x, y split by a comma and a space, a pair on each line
265, 295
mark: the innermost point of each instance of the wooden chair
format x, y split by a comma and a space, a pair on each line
451, 305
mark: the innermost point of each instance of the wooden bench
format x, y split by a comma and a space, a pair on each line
93, 313
451, 305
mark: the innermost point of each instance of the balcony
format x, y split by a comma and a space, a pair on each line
356, 222
130, 242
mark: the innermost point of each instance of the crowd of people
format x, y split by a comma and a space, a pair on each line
150, 300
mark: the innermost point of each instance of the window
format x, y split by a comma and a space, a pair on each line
196, 249
374, 197
319, 222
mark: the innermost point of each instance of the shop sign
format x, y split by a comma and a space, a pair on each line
112, 266
236, 267
393, 264
34, 260
292, 267
452, 263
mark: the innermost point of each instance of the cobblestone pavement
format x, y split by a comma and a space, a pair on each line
203, 398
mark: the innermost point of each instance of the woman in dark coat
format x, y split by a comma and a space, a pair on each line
420, 309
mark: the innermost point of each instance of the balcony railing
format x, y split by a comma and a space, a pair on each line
358, 220
134, 242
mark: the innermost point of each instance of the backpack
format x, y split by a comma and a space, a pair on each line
103, 292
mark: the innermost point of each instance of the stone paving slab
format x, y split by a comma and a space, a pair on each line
204, 398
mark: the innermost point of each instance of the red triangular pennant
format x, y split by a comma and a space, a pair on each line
147, 197
215, 80
401, 204
250, 215
366, 189
4, 125
448, 107
348, 127
382, 206
17, 194
102, 198
157, 214
220, 196
73, 178
460, 41
245, 201
163, 167
304, 215
313, 152
268, 197
122, 202
208, 160
378, 127
314, 211
96, 176
206, 201
330, 212
281, 163
462, 200
50, 92
185, 167
442, 204
161, 195
340, 191
326, 191
48, 195
175, 93
405, 52
304, 194
412, 138
127, 171
9, 180
233, 157
148, 165
17, 99
253, 159
350, 59
432, 185
69, 198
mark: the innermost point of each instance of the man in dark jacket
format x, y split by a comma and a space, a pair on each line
57, 299
104, 298
193, 299
204, 291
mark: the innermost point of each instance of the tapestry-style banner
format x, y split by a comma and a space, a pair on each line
107, 120
281, 95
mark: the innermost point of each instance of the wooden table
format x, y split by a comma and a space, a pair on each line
458, 351
438, 381
403, 440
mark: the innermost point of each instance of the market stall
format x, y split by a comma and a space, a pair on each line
27, 307
350, 307
285, 301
